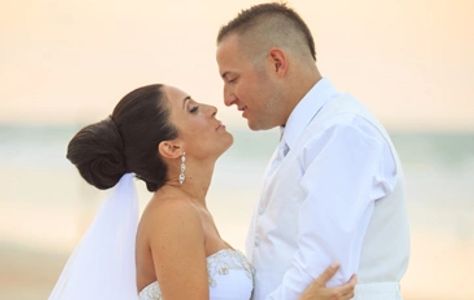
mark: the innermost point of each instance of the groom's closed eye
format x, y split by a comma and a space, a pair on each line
233, 80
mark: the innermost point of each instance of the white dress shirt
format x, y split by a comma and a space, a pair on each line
334, 172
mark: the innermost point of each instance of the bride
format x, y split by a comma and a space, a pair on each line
167, 139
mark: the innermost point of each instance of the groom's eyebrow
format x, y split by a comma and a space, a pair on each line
186, 99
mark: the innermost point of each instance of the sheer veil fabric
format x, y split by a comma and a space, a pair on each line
103, 266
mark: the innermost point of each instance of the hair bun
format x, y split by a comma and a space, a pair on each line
97, 152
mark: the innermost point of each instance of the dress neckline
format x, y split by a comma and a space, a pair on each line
223, 250
217, 253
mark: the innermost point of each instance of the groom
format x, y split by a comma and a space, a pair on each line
333, 190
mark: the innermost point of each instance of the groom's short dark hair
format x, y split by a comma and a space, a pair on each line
282, 19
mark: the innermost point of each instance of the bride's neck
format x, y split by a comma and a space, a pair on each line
197, 180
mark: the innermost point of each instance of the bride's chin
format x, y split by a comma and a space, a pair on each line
226, 145
230, 142
231, 138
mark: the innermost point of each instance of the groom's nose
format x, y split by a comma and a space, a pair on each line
229, 100
229, 97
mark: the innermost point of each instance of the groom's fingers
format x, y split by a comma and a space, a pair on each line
327, 274
347, 290
347, 296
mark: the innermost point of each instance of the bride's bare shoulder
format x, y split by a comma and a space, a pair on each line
170, 210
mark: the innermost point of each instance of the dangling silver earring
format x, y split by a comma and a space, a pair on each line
182, 168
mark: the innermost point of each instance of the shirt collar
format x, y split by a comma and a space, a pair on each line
306, 109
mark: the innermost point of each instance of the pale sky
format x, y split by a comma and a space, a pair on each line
410, 62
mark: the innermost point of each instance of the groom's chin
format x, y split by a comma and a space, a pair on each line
257, 127
253, 126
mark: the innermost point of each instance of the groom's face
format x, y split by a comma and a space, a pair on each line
247, 84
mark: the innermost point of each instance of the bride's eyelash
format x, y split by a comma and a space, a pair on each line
194, 109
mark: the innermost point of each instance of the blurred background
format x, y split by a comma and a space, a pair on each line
65, 64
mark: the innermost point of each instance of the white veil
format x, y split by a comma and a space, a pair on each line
103, 266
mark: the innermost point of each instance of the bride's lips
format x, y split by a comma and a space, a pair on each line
220, 126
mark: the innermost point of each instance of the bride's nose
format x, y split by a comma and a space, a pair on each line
212, 110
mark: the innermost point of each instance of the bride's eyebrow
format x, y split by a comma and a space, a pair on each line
186, 99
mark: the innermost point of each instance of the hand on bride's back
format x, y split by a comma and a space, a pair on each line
317, 290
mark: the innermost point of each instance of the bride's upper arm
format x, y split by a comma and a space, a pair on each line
177, 246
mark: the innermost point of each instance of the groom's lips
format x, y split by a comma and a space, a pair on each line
243, 109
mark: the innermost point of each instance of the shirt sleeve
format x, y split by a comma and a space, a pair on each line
341, 172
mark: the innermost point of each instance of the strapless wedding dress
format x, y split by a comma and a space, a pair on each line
230, 278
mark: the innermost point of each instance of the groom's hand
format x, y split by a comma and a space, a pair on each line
317, 290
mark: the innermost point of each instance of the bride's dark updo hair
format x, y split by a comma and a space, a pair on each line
127, 141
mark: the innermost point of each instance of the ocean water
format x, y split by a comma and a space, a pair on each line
45, 206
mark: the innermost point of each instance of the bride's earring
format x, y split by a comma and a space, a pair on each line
182, 168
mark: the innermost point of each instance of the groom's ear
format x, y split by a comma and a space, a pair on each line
170, 149
278, 61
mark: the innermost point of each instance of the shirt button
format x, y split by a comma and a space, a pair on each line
261, 210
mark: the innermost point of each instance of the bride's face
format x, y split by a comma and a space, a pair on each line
203, 136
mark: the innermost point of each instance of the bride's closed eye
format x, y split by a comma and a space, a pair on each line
192, 106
